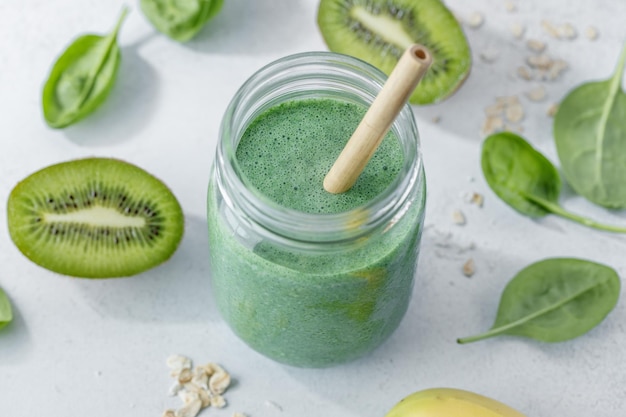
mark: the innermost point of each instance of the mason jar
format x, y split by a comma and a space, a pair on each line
306, 289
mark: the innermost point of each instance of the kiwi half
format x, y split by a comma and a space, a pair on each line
379, 31
94, 218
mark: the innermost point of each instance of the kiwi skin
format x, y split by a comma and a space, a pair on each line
378, 32
94, 218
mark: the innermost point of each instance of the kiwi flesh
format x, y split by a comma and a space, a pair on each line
378, 32
94, 218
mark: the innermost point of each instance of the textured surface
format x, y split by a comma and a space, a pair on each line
286, 153
98, 348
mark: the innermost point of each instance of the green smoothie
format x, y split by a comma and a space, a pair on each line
307, 307
286, 152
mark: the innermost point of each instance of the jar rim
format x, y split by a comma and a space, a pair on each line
269, 217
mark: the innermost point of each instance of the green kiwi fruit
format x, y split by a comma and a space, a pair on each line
94, 218
379, 31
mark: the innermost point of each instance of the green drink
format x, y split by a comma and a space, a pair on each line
303, 276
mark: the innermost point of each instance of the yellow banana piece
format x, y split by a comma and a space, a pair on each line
450, 402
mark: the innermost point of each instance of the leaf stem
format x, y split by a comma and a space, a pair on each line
621, 64
502, 329
490, 333
560, 211
120, 20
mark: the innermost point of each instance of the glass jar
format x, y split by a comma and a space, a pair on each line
312, 290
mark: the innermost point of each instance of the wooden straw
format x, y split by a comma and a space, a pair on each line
378, 120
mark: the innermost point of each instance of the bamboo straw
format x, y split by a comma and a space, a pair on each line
378, 120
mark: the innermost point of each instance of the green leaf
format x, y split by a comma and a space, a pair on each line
6, 314
555, 300
81, 78
526, 180
590, 136
514, 169
181, 20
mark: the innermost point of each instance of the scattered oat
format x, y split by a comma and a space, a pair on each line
524, 73
198, 388
567, 31
239, 415
537, 94
218, 401
477, 199
458, 217
506, 108
539, 61
475, 20
552, 109
469, 268
492, 124
494, 109
177, 362
489, 56
205, 398
191, 387
507, 100
550, 29
536, 45
200, 377
510, 6
273, 405
187, 397
514, 113
189, 410
591, 33
517, 30
557, 68
210, 368
436, 119
185, 376
219, 381
542, 68
174, 389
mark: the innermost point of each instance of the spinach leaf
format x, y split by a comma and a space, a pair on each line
555, 300
6, 315
181, 20
82, 77
514, 170
526, 180
590, 136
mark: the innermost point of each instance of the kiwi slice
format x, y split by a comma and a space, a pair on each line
94, 218
379, 31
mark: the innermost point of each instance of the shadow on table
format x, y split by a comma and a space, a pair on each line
128, 108
423, 352
177, 291
15, 344
265, 28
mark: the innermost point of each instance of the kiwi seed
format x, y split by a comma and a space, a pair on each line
378, 32
94, 218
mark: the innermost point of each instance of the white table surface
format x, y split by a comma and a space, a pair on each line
98, 348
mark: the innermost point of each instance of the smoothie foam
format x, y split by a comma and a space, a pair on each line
286, 153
